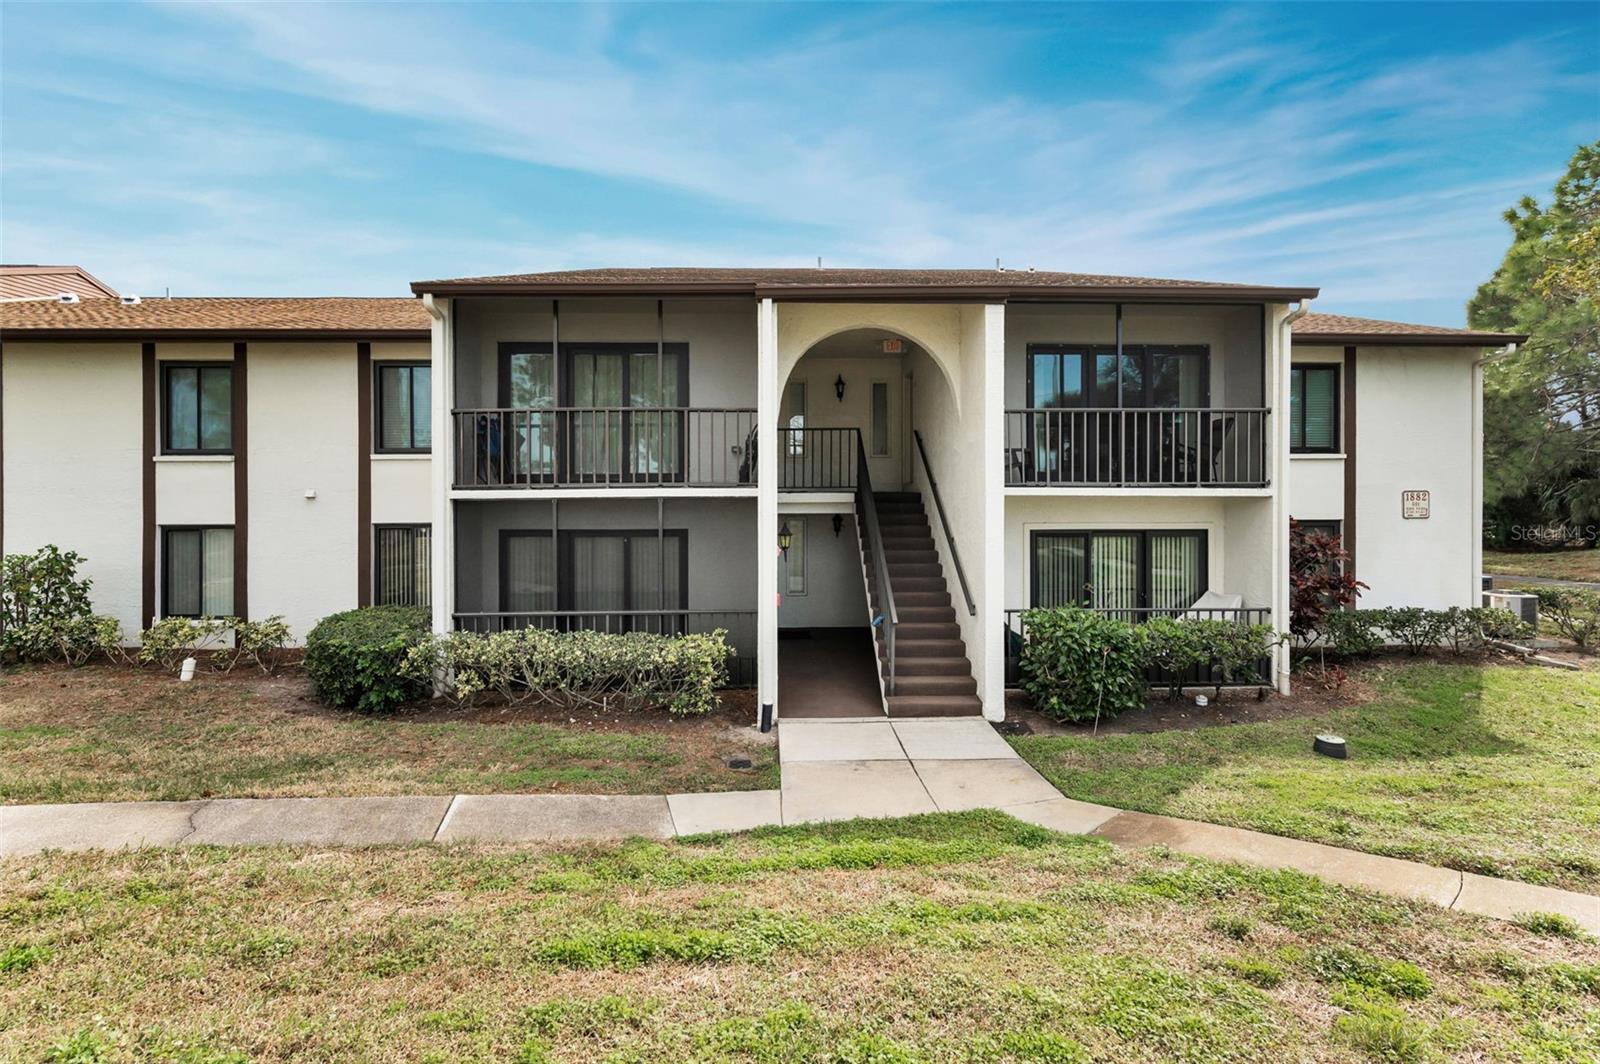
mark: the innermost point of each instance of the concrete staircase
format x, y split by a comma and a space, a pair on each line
933, 676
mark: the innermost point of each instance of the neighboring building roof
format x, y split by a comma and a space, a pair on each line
1342, 329
219, 318
835, 284
28, 281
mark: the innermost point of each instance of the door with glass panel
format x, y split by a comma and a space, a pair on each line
519, 446
1054, 449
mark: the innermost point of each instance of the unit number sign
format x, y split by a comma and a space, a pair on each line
1414, 505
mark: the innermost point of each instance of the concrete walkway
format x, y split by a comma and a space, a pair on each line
832, 770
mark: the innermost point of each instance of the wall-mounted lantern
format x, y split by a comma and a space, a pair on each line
838, 525
838, 387
785, 538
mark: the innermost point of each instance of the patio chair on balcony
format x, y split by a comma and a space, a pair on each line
1210, 604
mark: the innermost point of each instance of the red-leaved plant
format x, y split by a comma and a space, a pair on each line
1318, 582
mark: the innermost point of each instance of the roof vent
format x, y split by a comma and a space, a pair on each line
67, 297
1030, 269
130, 301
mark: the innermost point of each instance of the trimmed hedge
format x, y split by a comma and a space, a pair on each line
1362, 633
623, 671
1080, 665
356, 659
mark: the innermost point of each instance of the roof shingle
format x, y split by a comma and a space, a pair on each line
791, 282
1343, 329
377, 318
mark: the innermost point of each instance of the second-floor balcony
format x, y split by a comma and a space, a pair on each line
603, 447
1137, 447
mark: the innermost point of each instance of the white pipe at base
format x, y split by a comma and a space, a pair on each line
186, 673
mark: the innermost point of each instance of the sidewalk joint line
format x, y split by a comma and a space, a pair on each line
1461, 886
667, 801
445, 819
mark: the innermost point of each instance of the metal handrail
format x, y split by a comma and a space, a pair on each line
880, 564
944, 523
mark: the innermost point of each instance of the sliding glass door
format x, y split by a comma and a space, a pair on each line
607, 580
1126, 573
620, 417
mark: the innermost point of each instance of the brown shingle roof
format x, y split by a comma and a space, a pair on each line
803, 283
47, 282
1343, 329
226, 317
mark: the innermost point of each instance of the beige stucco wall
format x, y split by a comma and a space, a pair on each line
1414, 431
302, 438
73, 457
72, 408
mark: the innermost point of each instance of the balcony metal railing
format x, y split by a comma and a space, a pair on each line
739, 624
818, 459
604, 447
1145, 447
1258, 675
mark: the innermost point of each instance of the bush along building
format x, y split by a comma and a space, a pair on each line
864, 477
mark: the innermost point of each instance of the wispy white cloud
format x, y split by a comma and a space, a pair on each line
1234, 151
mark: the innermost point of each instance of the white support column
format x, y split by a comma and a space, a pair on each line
1277, 370
767, 393
1475, 588
442, 462
989, 655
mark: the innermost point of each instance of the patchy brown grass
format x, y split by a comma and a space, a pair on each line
112, 734
965, 937
1582, 565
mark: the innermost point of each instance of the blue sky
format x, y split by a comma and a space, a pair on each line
260, 149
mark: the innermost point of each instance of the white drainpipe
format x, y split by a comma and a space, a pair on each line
1280, 489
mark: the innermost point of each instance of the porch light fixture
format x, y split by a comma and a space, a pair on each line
838, 525
785, 538
838, 387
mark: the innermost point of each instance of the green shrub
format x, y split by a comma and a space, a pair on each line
1078, 665
1235, 649
1574, 611
41, 596
1496, 623
356, 659
1414, 628
625, 671
71, 640
1354, 633
258, 642
171, 639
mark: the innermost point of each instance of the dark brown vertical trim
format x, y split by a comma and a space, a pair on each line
363, 474
1349, 443
147, 530
241, 482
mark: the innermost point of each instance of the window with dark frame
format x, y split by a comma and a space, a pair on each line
197, 408
197, 571
402, 565
1119, 570
1314, 409
405, 407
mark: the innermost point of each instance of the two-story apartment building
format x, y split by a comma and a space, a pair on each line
862, 475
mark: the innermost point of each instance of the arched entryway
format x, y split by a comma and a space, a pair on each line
854, 381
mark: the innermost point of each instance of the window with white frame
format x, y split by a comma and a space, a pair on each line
794, 559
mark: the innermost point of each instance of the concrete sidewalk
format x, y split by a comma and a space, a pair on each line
832, 770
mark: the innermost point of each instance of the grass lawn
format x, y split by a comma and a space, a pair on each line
105, 734
1489, 769
964, 937
1556, 565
